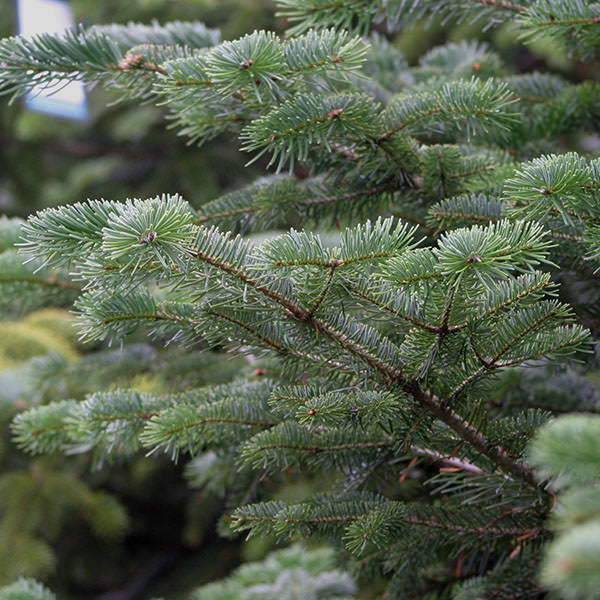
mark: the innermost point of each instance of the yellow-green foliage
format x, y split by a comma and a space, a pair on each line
145, 383
60, 322
40, 333
36, 503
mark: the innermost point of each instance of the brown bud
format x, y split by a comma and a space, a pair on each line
21, 404
148, 237
131, 61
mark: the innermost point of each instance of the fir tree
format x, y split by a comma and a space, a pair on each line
386, 345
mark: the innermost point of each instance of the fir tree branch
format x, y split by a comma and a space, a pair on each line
473, 437
326, 287
439, 214
241, 275
502, 4
472, 172
160, 315
230, 213
319, 448
280, 348
373, 191
484, 530
450, 461
519, 336
375, 302
449, 302
569, 22
356, 349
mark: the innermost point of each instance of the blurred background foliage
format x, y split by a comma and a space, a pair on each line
137, 529
124, 150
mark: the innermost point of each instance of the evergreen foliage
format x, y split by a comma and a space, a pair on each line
26, 589
295, 572
381, 346
567, 451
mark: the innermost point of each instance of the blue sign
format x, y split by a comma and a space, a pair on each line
65, 99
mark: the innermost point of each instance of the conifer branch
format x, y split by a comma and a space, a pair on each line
498, 531
438, 457
355, 348
474, 438
502, 4
376, 302
315, 307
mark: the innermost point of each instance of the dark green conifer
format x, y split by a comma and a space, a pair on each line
385, 348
